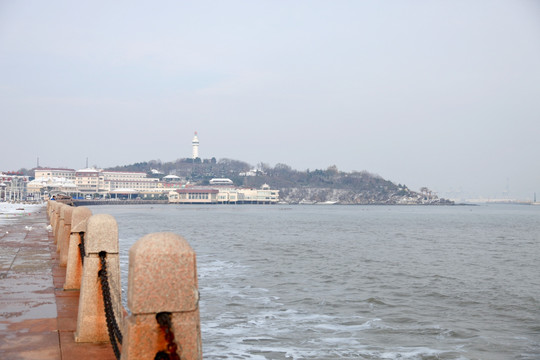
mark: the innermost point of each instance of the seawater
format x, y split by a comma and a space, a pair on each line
357, 282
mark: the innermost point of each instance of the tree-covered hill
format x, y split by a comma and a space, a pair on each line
319, 185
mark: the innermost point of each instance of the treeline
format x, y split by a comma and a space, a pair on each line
193, 170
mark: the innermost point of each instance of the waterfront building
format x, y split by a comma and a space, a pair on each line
228, 196
154, 194
194, 195
224, 195
90, 181
47, 187
13, 187
195, 147
137, 181
264, 195
123, 175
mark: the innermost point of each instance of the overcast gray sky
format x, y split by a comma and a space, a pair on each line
443, 94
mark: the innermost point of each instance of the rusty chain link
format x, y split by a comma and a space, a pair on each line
81, 247
112, 325
164, 319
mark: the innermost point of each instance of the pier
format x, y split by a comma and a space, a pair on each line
117, 202
62, 300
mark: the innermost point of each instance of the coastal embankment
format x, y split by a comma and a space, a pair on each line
117, 202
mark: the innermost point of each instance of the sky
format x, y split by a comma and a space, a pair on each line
443, 94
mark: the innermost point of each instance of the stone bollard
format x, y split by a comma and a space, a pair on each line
52, 217
101, 236
56, 220
162, 278
50, 209
59, 227
64, 235
79, 217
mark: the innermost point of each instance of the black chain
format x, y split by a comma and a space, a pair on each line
81, 247
165, 323
112, 325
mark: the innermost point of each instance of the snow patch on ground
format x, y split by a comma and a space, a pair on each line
19, 208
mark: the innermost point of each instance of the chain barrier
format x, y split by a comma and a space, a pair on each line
112, 326
164, 319
81, 247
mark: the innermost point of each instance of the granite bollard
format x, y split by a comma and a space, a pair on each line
162, 278
79, 217
64, 235
52, 221
56, 224
101, 236
59, 227
49, 207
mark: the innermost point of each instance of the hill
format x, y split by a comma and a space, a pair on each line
328, 185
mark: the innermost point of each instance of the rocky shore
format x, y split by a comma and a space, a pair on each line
308, 195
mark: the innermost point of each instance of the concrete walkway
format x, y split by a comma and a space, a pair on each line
37, 317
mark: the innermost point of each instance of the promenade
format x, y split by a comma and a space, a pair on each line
37, 317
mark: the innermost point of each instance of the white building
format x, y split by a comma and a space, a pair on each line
114, 180
264, 195
45, 186
221, 181
224, 195
13, 187
49, 173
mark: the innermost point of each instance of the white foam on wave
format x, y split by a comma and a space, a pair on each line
410, 353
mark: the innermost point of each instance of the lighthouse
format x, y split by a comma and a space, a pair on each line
195, 146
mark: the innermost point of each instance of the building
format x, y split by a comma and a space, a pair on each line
90, 181
13, 187
194, 195
50, 181
224, 195
137, 181
228, 196
172, 181
49, 173
195, 147
46, 187
221, 181
264, 195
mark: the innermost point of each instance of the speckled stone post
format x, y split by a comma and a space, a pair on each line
101, 235
56, 226
55, 218
50, 210
79, 217
162, 278
49, 206
63, 239
59, 227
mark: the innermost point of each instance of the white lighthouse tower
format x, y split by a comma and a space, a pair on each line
195, 146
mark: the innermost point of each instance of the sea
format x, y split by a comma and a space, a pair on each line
357, 282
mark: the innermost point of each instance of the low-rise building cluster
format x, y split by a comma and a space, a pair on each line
86, 184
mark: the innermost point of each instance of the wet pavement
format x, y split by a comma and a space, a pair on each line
37, 317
